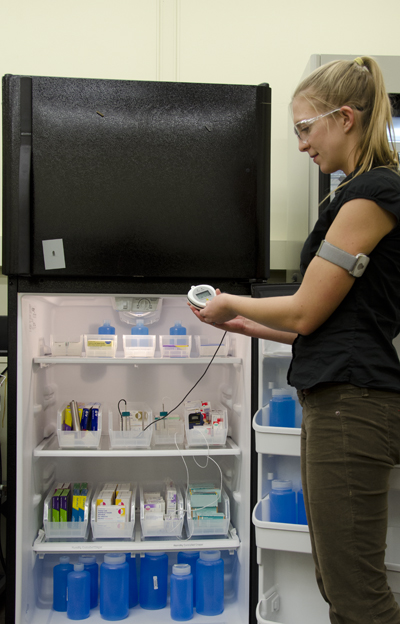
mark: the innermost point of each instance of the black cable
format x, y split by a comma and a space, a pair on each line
185, 397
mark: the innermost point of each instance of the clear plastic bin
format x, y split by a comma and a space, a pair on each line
101, 345
169, 432
65, 531
211, 435
139, 346
207, 346
166, 528
113, 530
131, 439
209, 526
276, 349
78, 439
71, 346
175, 346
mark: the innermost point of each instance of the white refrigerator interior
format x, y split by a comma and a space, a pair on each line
48, 381
288, 592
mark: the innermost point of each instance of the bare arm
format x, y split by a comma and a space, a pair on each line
358, 228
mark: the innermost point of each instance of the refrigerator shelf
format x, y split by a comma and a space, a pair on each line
277, 535
46, 360
275, 440
49, 448
230, 542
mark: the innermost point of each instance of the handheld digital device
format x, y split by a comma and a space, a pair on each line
199, 295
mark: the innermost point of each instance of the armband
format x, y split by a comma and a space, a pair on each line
355, 265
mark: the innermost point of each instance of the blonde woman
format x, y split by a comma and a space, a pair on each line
341, 322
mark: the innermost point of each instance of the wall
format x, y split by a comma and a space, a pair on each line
227, 41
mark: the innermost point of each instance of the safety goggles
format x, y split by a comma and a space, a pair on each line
302, 128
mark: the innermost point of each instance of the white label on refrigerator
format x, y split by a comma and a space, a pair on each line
53, 254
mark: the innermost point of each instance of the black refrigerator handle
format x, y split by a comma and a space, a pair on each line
24, 176
263, 99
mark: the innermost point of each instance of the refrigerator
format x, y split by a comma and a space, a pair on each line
118, 196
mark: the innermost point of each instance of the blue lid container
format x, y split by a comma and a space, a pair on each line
282, 408
153, 581
78, 584
140, 328
210, 583
91, 566
177, 330
60, 573
282, 501
190, 557
106, 328
181, 592
114, 587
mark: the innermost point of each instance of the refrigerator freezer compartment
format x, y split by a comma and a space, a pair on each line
275, 440
63, 345
78, 439
212, 434
208, 526
133, 438
113, 529
101, 345
139, 346
207, 346
66, 531
157, 527
175, 346
169, 431
278, 535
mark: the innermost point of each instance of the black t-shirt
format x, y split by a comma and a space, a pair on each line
355, 344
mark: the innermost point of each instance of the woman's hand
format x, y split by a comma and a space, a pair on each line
220, 315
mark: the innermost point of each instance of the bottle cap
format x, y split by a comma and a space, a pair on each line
87, 559
181, 569
210, 555
281, 485
281, 392
64, 559
78, 567
115, 558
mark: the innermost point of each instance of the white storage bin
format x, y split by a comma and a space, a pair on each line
211, 435
275, 440
207, 346
170, 528
209, 527
65, 531
175, 346
114, 530
71, 346
131, 439
168, 432
136, 346
78, 439
276, 349
101, 345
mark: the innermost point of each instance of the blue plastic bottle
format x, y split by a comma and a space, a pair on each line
301, 510
177, 330
106, 328
209, 583
78, 584
181, 592
91, 566
190, 557
153, 581
282, 409
114, 587
282, 502
133, 584
140, 328
60, 573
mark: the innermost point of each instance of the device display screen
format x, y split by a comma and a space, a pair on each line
203, 294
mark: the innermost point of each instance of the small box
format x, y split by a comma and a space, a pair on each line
111, 513
114, 521
55, 517
65, 506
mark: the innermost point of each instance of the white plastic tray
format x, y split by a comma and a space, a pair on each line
170, 528
275, 440
65, 531
207, 346
78, 439
278, 535
206, 435
113, 530
137, 346
209, 528
131, 439
175, 346
64, 345
101, 345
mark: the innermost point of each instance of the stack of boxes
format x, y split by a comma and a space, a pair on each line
160, 506
200, 414
79, 496
114, 502
204, 500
